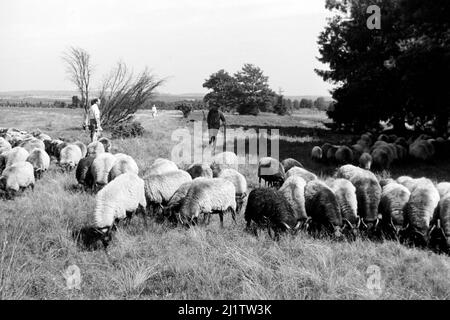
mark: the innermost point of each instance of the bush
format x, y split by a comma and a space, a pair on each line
185, 108
128, 129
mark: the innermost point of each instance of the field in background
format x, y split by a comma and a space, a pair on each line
159, 262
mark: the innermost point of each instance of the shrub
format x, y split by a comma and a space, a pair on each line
128, 129
185, 108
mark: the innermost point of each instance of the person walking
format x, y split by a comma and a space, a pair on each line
215, 116
93, 119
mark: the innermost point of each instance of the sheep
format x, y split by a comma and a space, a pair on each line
83, 172
381, 158
4, 145
43, 137
272, 171
209, 196
58, 149
293, 189
160, 188
368, 194
16, 177
316, 153
330, 155
224, 160
82, 147
325, 148
440, 230
124, 163
268, 207
40, 161
69, 157
303, 173
366, 139
106, 143
176, 200
322, 206
419, 210
199, 170
394, 197
358, 150
401, 142
51, 147
31, 144
344, 155
16, 154
365, 161
161, 166
100, 168
240, 184
290, 163
94, 149
421, 150
345, 193
385, 181
383, 137
116, 201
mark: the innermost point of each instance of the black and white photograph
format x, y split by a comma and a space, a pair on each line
234, 152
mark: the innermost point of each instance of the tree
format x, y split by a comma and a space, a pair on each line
75, 102
122, 94
306, 103
396, 73
79, 71
223, 90
281, 108
253, 90
320, 103
186, 108
296, 104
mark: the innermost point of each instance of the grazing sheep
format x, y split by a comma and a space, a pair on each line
100, 168
381, 158
83, 172
402, 142
18, 176
16, 154
421, 150
124, 163
368, 194
365, 161
161, 166
69, 157
303, 173
322, 206
402, 152
58, 149
272, 171
440, 230
316, 153
268, 207
199, 170
419, 211
330, 155
4, 145
443, 188
344, 155
358, 150
345, 193
43, 137
293, 189
40, 161
240, 184
31, 144
94, 149
106, 143
325, 148
209, 196
174, 204
160, 188
117, 200
290, 163
366, 139
394, 197
224, 160
82, 147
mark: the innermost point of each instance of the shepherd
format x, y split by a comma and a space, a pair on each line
213, 120
92, 120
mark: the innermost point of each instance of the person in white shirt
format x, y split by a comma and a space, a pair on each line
154, 111
93, 119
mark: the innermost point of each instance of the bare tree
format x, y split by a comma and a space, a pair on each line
122, 94
79, 70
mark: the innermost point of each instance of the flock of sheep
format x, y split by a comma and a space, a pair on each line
380, 154
351, 203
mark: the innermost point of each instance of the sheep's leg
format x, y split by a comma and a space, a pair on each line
233, 215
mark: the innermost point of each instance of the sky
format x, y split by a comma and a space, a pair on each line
183, 41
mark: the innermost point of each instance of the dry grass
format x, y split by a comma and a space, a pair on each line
160, 262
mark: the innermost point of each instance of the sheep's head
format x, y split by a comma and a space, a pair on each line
412, 236
91, 238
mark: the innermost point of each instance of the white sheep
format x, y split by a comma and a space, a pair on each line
70, 156
208, 196
160, 188
40, 161
293, 190
82, 147
316, 153
17, 177
394, 198
240, 184
100, 168
124, 163
32, 143
161, 166
301, 172
15, 155
118, 200
4, 145
345, 193
224, 160
95, 148
289, 163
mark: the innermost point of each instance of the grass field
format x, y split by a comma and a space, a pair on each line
160, 262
